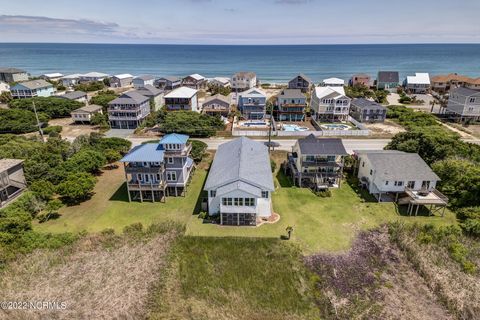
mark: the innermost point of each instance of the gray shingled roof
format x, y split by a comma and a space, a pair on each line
243, 160
170, 78
73, 95
145, 77
148, 91
363, 103
91, 108
464, 91
321, 146
34, 84
305, 77
130, 98
400, 166
291, 94
6, 164
11, 70
388, 76
218, 96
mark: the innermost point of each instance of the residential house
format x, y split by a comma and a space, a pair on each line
443, 83
240, 183
121, 80
168, 83
361, 79
128, 111
78, 96
333, 82
155, 95
182, 98
364, 110
195, 81
316, 163
392, 175
242, 81
290, 105
155, 171
92, 77
330, 104
387, 80
301, 82
56, 76
4, 87
142, 81
10, 75
217, 105
32, 88
12, 180
417, 84
221, 82
71, 80
252, 104
85, 114
464, 104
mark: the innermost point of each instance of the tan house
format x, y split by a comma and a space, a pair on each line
361, 79
85, 114
443, 83
217, 105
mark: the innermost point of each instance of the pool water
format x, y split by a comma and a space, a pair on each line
293, 127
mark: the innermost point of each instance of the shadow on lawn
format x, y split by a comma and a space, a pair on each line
120, 194
283, 180
354, 183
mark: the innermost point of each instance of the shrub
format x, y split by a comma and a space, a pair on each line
19, 121
76, 187
133, 229
53, 107
43, 189
90, 86
273, 165
52, 129
198, 150
191, 123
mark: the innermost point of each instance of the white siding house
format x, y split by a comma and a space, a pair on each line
240, 183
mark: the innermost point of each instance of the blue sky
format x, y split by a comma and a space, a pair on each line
241, 21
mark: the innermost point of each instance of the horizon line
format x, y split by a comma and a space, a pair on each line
242, 45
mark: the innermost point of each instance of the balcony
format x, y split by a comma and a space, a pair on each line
142, 185
140, 169
184, 152
237, 209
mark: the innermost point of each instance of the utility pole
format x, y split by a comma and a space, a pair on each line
270, 133
38, 121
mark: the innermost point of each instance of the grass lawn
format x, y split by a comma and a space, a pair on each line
109, 207
235, 278
320, 224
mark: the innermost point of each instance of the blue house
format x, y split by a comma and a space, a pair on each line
155, 171
252, 104
33, 88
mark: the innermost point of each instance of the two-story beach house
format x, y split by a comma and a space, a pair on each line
154, 171
54, 76
330, 104
182, 98
155, 95
128, 111
240, 183
143, 80
78, 96
168, 83
301, 82
9, 75
388, 80
464, 104
31, 89
244, 80
392, 175
364, 110
217, 105
12, 180
417, 84
316, 163
70, 80
290, 105
443, 83
121, 80
195, 81
252, 104
221, 82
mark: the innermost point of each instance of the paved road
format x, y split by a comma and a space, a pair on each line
286, 145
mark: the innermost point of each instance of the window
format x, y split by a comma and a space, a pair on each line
398, 183
265, 194
472, 100
386, 183
238, 202
363, 164
170, 160
147, 178
213, 193
158, 177
371, 171
425, 184
139, 177
249, 202
411, 184
171, 176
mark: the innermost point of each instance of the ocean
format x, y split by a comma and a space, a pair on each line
273, 64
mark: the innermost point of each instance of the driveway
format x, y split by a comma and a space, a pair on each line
119, 133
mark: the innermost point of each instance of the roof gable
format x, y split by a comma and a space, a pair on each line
312, 145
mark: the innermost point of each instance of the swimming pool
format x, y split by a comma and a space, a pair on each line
335, 126
255, 124
293, 127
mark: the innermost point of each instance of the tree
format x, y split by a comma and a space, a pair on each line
112, 155
19, 121
90, 86
76, 187
51, 210
86, 160
198, 150
102, 98
191, 123
53, 107
43, 189
5, 97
